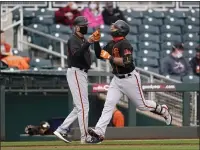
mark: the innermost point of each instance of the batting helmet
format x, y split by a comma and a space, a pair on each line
122, 28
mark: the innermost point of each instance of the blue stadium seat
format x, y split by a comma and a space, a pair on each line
166, 46
132, 38
148, 54
149, 37
133, 30
174, 21
170, 29
133, 14
192, 37
133, 21
105, 37
42, 20
153, 14
59, 28
135, 47
40, 63
189, 53
175, 14
152, 69
142, 62
39, 27
45, 13
164, 53
149, 29
152, 21
193, 13
190, 45
191, 79
192, 21
149, 46
90, 30
170, 37
190, 29
105, 28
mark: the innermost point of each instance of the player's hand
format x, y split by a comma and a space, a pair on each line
104, 54
95, 37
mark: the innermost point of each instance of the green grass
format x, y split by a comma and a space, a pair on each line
190, 144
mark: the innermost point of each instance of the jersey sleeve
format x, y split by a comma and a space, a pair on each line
126, 48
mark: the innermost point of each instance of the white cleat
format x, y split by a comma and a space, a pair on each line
168, 117
62, 137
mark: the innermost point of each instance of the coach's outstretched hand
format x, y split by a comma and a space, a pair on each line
104, 54
95, 37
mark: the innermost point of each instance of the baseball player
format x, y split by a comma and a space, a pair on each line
79, 62
126, 80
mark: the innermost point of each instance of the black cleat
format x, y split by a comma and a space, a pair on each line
94, 140
94, 134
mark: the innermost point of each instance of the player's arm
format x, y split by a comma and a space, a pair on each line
77, 49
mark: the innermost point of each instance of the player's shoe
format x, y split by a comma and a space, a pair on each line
168, 117
63, 137
96, 138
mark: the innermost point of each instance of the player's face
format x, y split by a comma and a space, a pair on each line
113, 28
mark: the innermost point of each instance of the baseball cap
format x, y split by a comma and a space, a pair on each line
80, 21
178, 46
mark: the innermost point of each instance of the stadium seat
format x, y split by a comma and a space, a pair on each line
164, 53
193, 13
148, 54
170, 37
189, 53
152, 69
28, 17
102, 44
59, 28
133, 14
190, 29
149, 37
42, 20
153, 14
133, 30
166, 46
192, 37
133, 21
152, 21
142, 62
132, 38
149, 29
55, 45
175, 14
40, 63
174, 21
24, 53
192, 21
105, 28
39, 27
135, 47
170, 29
105, 37
90, 30
45, 13
149, 46
191, 79
190, 45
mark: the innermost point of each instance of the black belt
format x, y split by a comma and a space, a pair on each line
85, 70
124, 76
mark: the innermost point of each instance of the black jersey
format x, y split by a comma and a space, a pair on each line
78, 52
119, 49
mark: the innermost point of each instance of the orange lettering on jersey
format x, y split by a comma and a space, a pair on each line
116, 52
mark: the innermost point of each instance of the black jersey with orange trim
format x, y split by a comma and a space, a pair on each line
78, 52
119, 48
